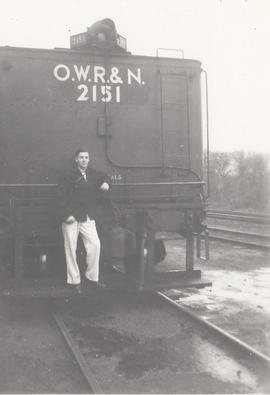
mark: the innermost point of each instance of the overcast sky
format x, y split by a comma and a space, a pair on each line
230, 37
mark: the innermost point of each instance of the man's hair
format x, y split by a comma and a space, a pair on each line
79, 150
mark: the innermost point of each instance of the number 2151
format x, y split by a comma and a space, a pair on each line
104, 93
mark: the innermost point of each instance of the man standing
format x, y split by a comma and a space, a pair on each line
81, 192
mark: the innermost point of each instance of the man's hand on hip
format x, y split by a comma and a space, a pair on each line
105, 186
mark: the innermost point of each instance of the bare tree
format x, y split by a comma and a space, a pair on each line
239, 180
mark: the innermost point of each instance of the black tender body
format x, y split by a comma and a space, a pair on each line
140, 119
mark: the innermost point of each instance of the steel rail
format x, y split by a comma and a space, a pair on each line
240, 242
239, 218
241, 213
234, 216
232, 339
238, 233
84, 366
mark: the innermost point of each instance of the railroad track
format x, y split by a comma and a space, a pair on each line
134, 346
254, 240
226, 336
250, 240
258, 218
81, 361
258, 222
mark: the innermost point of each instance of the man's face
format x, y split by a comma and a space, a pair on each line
82, 160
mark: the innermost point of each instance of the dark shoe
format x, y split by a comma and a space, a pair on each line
100, 285
78, 289
96, 284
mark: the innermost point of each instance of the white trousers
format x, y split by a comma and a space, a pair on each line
92, 246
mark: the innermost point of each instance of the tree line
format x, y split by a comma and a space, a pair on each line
239, 180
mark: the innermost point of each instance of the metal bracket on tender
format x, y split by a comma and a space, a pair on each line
170, 50
203, 236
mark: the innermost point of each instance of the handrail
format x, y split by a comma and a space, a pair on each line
120, 184
160, 183
207, 134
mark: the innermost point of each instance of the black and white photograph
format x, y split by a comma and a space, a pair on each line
134, 197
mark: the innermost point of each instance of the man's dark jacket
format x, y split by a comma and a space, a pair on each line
80, 198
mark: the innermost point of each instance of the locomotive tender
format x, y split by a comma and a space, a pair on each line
140, 119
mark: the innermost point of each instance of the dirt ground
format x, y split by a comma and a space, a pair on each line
239, 298
147, 348
34, 358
